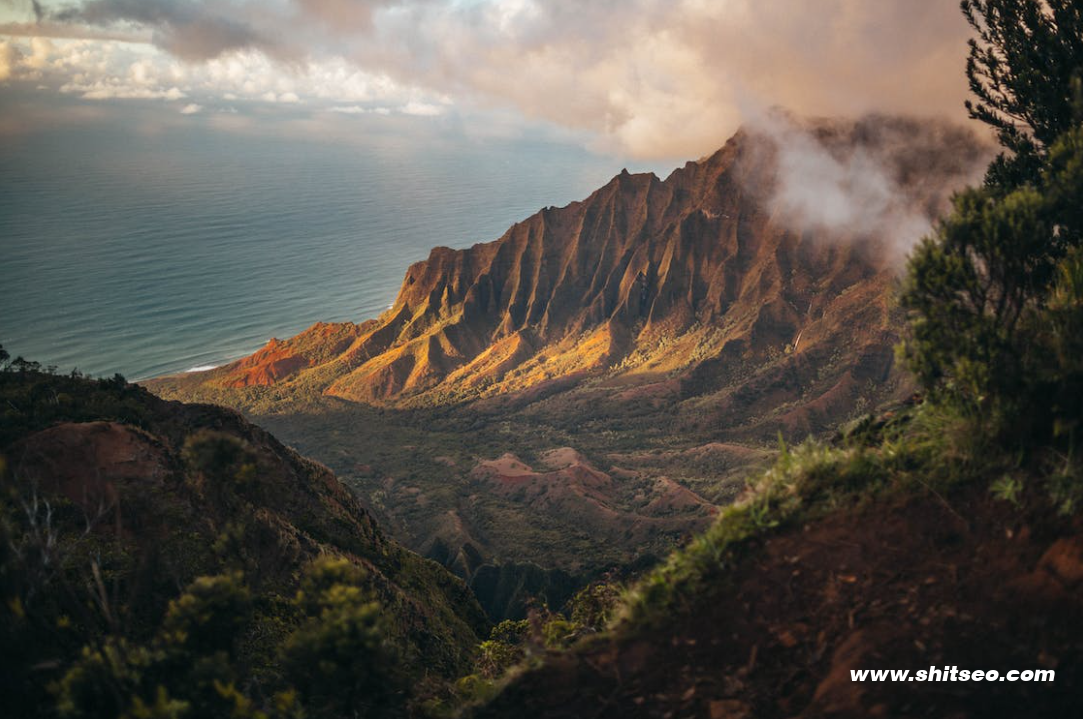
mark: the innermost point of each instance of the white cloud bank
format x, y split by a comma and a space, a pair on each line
654, 78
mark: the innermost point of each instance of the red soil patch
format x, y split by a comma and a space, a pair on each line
572, 488
674, 498
87, 462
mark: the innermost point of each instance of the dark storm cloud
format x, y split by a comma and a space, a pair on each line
192, 31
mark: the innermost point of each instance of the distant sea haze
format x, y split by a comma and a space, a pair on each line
149, 255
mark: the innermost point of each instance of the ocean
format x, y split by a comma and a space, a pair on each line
150, 254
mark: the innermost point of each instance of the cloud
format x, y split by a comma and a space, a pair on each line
31, 6
342, 16
664, 77
421, 109
191, 109
359, 110
41, 49
9, 59
880, 179
67, 31
653, 78
103, 70
115, 90
27, 6
191, 31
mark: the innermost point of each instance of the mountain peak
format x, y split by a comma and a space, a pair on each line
642, 281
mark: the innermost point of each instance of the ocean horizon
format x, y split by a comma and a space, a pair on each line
157, 254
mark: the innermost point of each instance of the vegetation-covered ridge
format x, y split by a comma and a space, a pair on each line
161, 559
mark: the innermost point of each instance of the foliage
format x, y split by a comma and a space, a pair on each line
336, 663
221, 466
208, 616
1024, 69
340, 658
218, 456
992, 297
35, 398
514, 645
593, 606
994, 300
178, 672
495, 657
1007, 488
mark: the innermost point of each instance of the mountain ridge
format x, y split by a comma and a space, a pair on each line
701, 262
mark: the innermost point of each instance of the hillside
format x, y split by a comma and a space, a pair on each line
662, 331
117, 505
912, 581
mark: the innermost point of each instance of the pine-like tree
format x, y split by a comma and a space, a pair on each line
978, 290
1024, 70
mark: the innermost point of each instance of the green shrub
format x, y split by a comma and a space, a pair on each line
593, 606
177, 673
222, 460
208, 616
994, 302
993, 296
340, 659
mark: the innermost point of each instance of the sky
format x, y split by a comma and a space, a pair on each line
644, 79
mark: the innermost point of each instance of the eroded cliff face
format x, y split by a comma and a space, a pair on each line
682, 280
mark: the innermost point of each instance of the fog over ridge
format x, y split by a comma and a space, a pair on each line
882, 179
